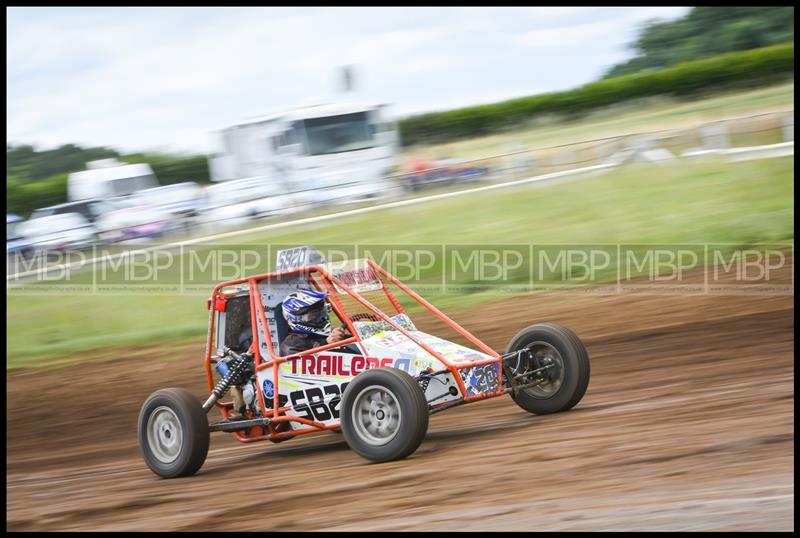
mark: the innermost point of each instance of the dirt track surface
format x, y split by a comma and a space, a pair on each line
687, 424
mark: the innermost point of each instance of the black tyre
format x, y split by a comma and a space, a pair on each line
566, 378
384, 414
173, 433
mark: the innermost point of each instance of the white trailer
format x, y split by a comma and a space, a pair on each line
326, 153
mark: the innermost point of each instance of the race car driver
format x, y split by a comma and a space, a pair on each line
306, 314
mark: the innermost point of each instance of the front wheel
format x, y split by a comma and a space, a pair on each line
173, 433
384, 414
558, 360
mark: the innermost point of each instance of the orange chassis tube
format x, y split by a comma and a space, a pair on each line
258, 315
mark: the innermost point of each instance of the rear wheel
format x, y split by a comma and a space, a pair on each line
173, 433
384, 414
563, 368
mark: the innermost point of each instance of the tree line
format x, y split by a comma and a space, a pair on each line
688, 80
706, 31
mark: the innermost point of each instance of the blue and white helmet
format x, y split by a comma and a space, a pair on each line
306, 313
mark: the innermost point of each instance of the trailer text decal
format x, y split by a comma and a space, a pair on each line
333, 365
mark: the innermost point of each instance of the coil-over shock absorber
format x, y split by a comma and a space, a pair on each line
239, 368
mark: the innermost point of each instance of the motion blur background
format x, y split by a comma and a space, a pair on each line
190, 131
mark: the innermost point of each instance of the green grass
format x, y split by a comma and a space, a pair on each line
711, 202
641, 115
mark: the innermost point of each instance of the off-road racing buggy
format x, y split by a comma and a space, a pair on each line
378, 386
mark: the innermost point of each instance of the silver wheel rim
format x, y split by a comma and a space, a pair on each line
554, 376
164, 434
376, 415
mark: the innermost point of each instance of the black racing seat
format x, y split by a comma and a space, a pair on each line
246, 336
280, 323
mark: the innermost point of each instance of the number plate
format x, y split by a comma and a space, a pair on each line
480, 379
294, 258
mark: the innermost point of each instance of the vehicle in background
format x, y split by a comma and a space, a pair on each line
234, 203
420, 173
334, 190
136, 222
16, 243
181, 199
440, 172
461, 171
63, 232
341, 150
109, 178
90, 209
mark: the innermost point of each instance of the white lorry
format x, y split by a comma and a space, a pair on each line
322, 154
109, 178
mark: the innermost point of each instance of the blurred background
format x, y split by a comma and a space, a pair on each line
181, 132
248, 133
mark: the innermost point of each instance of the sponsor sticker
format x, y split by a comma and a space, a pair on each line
268, 388
356, 275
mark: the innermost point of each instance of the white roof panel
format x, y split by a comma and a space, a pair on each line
312, 111
116, 172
